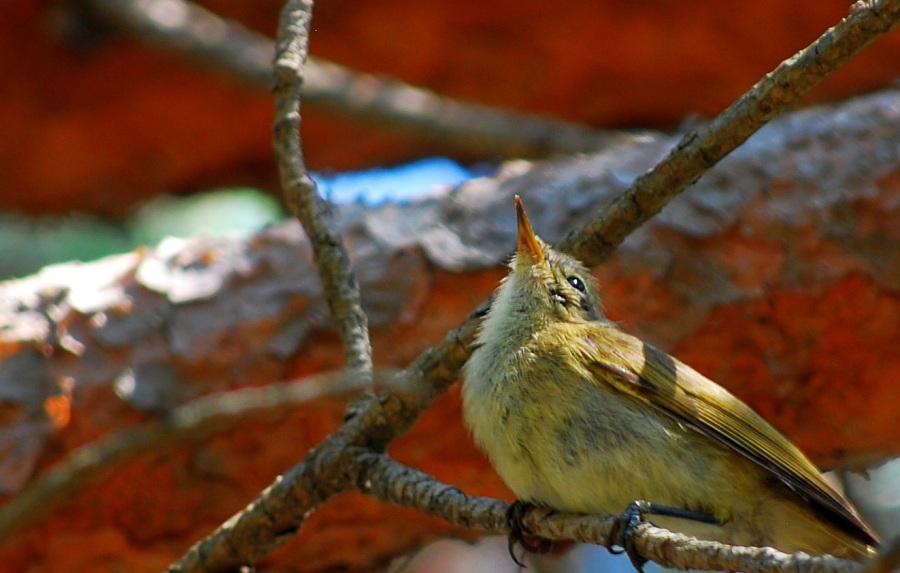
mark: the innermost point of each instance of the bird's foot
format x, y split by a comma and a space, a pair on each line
621, 537
519, 534
622, 534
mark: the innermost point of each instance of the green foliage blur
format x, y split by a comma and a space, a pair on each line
29, 243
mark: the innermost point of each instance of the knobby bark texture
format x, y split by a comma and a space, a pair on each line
776, 275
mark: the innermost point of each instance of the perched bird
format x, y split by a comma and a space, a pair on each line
578, 416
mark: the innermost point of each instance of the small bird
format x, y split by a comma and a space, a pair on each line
578, 416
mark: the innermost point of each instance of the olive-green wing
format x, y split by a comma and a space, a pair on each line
655, 378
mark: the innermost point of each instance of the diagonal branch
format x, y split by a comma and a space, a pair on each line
338, 280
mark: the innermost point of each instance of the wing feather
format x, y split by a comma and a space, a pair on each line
653, 377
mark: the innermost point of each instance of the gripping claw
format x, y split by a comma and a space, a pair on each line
519, 534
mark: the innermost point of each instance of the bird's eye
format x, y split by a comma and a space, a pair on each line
576, 283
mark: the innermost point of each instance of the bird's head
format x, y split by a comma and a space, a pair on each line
547, 284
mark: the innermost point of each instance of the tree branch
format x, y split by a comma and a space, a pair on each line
678, 551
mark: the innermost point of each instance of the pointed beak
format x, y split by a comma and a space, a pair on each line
527, 241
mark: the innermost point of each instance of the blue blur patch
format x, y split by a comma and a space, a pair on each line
417, 180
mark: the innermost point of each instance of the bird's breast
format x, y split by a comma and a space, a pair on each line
560, 439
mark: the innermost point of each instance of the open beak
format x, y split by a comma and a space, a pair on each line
527, 241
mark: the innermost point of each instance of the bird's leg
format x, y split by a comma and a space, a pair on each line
622, 534
518, 533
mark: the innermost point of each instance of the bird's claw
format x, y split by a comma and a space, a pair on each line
518, 533
621, 537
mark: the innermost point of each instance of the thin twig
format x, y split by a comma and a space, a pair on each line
338, 280
325, 472
229, 46
275, 516
188, 28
